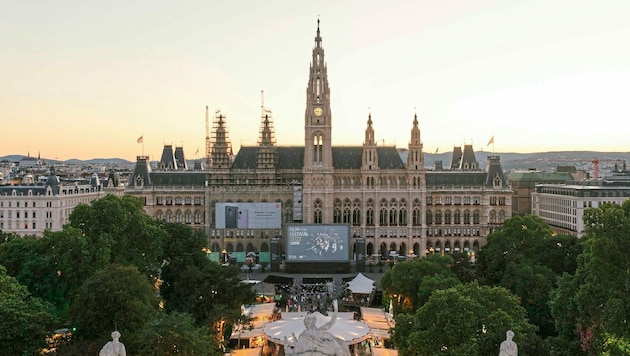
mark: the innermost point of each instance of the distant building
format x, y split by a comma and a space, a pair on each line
523, 183
395, 203
562, 206
30, 209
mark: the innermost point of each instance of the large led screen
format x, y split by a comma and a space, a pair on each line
248, 216
317, 243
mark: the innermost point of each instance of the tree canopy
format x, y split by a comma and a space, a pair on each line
467, 319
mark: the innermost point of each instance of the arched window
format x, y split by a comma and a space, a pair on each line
317, 212
447, 217
337, 211
429, 217
457, 217
356, 212
318, 141
466, 217
476, 217
346, 211
438, 217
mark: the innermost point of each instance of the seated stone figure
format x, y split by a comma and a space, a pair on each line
316, 341
114, 347
508, 347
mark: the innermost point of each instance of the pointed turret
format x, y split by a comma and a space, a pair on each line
221, 152
415, 158
318, 125
370, 157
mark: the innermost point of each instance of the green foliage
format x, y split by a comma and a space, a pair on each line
114, 298
405, 278
193, 284
464, 320
24, 320
118, 231
602, 296
526, 257
176, 333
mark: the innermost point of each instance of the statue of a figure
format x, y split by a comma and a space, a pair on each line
314, 341
114, 347
508, 347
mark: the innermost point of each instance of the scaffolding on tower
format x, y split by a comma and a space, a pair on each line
220, 154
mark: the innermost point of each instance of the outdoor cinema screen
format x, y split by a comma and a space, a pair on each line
317, 243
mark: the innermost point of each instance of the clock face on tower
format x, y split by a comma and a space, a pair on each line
318, 111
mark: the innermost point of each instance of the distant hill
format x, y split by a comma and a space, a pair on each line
545, 161
17, 158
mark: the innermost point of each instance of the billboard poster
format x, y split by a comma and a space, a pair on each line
317, 243
248, 215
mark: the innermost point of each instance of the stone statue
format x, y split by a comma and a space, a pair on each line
314, 341
508, 347
114, 347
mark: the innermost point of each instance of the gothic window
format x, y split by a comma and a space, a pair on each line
402, 217
501, 200
178, 216
476, 200
178, 200
457, 217
318, 141
466, 217
501, 217
369, 217
169, 216
383, 217
476, 217
337, 212
188, 217
497, 181
493, 217
197, 217
356, 217
467, 200
416, 217
346, 215
438, 217
317, 213
188, 200
457, 200
447, 217
429, 217
392, 217
159, 215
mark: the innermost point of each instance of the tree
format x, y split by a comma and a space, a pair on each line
24, 320
603, 274
193, 284
119, 231
176, 333
405, 278
115, 297
526, 257
467, 319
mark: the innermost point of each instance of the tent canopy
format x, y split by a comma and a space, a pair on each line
361, 285
350, 331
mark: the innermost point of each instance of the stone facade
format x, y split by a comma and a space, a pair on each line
386, 194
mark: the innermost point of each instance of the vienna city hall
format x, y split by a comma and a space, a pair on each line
385, 195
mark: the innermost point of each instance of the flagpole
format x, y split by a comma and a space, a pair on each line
143, 144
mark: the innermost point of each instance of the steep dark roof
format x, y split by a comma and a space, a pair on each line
343, 158
389, 158
181, 178
455, 178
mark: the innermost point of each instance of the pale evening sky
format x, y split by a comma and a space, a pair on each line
85, 79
